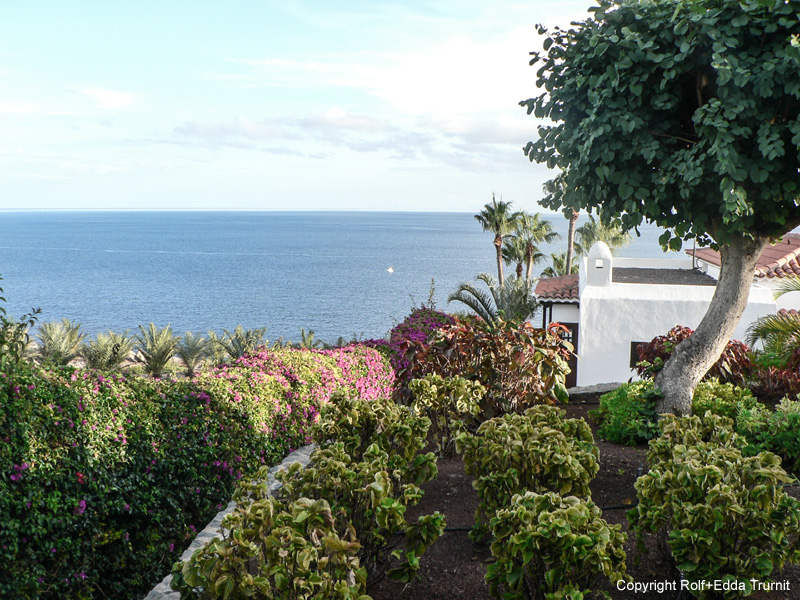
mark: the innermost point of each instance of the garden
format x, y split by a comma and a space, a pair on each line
448, 464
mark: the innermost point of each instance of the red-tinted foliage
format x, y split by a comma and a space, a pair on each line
734, 365
518, 364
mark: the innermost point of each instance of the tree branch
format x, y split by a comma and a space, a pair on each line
674, 137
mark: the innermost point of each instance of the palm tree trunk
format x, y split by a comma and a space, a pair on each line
528, 265
694, 356
498, 244
571, 242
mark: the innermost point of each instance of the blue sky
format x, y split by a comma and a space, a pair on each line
260, 105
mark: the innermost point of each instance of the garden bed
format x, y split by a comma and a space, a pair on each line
454, 567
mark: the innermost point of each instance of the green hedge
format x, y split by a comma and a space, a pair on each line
104, 479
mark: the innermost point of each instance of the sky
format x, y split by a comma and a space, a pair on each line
262, 105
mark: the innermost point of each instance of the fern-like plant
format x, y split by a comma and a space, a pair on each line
107, 352
156, 348
61, 342
193, 350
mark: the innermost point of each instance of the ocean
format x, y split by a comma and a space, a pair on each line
349, 274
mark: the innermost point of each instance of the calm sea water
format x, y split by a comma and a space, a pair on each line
213, 270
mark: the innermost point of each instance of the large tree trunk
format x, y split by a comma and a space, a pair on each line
570, 242
498, 244
693, 357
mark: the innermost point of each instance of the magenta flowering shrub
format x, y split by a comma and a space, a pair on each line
104, 479
364, 371
416, 329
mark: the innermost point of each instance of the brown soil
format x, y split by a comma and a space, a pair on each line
454, 568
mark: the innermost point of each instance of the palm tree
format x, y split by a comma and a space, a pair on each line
156, 348
533, 230
61, 342
556, 188
779, 333
242, 341
515, 253
513, 301
558, 266
596, 231
498, 218
192, 349
108, 351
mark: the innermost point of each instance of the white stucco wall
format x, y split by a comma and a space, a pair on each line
612, 317
566, 313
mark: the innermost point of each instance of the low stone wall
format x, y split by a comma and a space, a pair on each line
163, 591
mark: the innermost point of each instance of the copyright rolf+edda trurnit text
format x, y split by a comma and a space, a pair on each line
718, 585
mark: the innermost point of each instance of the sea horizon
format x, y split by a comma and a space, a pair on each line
201, 270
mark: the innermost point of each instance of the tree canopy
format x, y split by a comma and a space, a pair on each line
685, 114
680, 113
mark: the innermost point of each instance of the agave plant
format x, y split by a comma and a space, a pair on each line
156, 348
61, 342
242, 341
512, 301
107, 352
193, 349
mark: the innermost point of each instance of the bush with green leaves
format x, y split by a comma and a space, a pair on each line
551, 547
536, 451
727, 516
368, 496
108, 351
774, 431
359, 423
297, 554
451, 404
627, 415
61, 342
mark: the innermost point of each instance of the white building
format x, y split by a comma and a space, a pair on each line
613, 304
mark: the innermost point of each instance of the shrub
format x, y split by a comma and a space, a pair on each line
61, 342
536, 451
723, 399
774, 431
518, 364
270, 550
108, 351
358, 423
451, 404
546, 546
627, 415
773, 383
366, 497
156, 348
114, 473
404, 339
727, 516
733, 366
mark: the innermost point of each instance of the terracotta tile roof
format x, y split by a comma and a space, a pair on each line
780, 260
557, 288
788, 312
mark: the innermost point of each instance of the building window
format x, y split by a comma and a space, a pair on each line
635, 353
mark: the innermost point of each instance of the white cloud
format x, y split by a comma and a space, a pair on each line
110, 99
